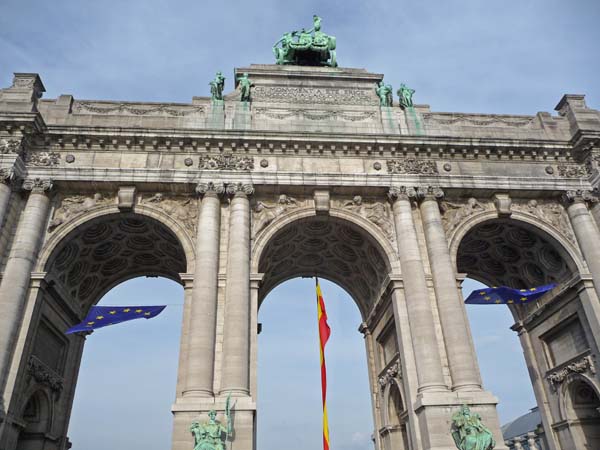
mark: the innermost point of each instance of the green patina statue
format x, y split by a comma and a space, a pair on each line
469, 433
405, 95
245, 85
306, 47
216, 87
384, 92
211, 435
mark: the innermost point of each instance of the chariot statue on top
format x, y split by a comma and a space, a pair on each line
306, 47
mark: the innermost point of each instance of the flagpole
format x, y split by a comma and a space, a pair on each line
324, 333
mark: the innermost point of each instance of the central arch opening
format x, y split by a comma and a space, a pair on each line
353, 267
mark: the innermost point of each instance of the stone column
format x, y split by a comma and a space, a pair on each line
203, 312
235, 376
17, 274
6, 177
585, 230
425, 345
455, 326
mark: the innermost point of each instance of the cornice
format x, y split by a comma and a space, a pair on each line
59, 138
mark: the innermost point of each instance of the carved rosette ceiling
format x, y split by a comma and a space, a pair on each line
331, 248
502, 253
105, 251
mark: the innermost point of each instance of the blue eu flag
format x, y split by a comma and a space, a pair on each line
103, 316
504, 295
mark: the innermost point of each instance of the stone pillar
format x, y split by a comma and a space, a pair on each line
425, 345
585, 230
235, 376
455, 327
203, 312
17, 274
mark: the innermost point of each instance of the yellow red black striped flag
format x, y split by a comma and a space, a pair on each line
324, 332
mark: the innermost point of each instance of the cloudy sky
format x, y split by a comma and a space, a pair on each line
514, 57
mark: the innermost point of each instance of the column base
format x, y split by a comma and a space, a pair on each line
434, 415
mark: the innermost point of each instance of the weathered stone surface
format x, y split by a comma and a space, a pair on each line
310, 176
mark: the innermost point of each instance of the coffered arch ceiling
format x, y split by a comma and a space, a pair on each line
328, 247
110, 249
514, 254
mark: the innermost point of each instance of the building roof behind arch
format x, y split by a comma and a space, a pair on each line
110, 249
328, 247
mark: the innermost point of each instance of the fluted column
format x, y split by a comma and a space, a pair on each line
17, 274
425, 346
200, 349
455, 326
236, 330
585, 230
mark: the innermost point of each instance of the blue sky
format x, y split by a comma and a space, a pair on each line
516, 57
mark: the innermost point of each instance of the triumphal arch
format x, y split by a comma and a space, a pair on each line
303, 168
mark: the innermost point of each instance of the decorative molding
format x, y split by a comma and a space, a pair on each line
75, 205
573, 170
38, 185
582, 365
44, 374
478, 120
183, 209
45, 159
136, 109
550, 212
375, 212
11, 146
284, 114
411, 166
265, 213
392, 373
226, 162
453, 214
308, 95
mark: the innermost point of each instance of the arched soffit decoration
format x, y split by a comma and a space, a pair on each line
515, 253
103, 251
334, 247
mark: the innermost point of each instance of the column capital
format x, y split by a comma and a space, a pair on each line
429, 193
210, 188
239, 189
579, 196
402, 193
38, 185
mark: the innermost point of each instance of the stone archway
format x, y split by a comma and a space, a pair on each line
521, 252
84, 260
330, 247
